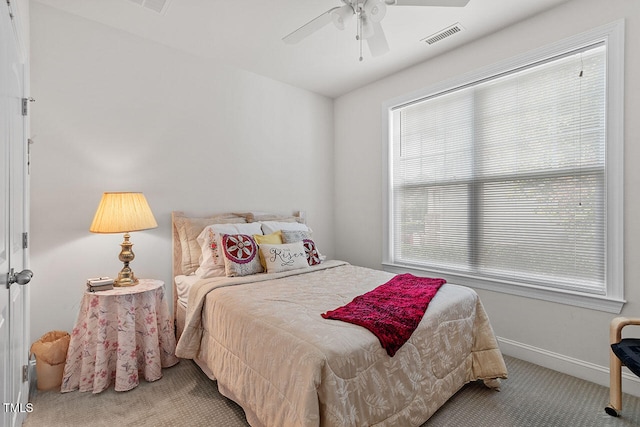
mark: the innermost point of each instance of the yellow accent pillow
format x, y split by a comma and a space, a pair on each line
274, 238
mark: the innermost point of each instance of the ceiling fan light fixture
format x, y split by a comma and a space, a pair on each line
341, 16
368, 13
375, 10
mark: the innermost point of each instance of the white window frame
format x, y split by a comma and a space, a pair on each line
613, 300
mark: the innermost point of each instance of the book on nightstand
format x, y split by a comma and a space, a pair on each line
99, 284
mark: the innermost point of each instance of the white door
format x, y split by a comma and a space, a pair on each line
14, 298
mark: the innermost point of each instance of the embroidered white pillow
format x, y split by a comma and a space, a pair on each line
290, 256
212, 258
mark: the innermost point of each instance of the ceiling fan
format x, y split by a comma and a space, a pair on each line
368, 15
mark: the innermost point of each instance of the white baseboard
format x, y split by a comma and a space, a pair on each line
568, 365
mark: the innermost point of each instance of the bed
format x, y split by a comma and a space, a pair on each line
261, 336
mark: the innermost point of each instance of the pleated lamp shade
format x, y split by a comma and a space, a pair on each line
122, 213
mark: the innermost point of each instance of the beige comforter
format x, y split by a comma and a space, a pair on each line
271, 351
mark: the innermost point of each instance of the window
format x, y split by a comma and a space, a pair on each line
512, 180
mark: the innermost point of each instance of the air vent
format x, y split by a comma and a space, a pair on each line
158, 6
443, 34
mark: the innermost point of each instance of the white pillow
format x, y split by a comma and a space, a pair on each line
269, 227
212, 258
183, 285
291, 256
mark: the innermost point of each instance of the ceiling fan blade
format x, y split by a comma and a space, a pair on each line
377, 42
309, 28
443, 3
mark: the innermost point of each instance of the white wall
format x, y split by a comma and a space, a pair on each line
115, 112
566, 338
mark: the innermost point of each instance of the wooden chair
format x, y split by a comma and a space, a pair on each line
623, 352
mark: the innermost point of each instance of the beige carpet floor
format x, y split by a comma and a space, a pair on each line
532, 397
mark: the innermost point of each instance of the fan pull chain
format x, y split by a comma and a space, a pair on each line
359, 31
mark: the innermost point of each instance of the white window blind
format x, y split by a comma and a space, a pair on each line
505, 178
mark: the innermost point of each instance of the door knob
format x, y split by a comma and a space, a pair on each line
21, 278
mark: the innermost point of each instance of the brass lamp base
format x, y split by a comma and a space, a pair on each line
126, 276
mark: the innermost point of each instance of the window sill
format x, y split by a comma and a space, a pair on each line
578, 299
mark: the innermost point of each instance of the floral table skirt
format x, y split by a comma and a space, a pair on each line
120, 334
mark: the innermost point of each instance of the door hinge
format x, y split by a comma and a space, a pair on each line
25, 240
25, 373
25, 105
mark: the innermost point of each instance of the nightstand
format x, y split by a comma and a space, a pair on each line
120, 334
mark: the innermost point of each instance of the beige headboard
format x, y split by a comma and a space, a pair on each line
187, 227
185, 230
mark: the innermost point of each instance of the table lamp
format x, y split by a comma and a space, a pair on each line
123, 212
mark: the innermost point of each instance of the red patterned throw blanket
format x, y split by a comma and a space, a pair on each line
391, 311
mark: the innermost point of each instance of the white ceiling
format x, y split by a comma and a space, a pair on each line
248, 34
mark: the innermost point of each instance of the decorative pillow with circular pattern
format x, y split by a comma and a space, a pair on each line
313, 256
240, 255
